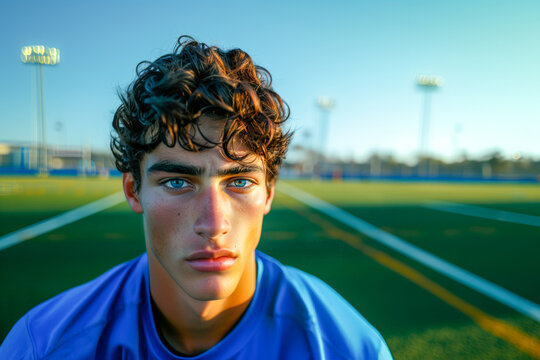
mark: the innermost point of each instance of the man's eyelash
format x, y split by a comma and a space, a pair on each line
168, 183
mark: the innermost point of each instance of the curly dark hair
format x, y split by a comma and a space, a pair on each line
167, 99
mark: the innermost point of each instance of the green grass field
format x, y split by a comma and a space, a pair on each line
421, 313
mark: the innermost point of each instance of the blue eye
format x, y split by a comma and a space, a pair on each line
241, 183
175, 183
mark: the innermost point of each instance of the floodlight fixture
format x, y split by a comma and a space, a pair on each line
325, 103
429, 81
39, 54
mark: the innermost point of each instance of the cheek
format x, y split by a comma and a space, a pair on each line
165, 223
250, 217
256, 203
249, 209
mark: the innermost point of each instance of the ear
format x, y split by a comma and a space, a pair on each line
128, 182
269, 198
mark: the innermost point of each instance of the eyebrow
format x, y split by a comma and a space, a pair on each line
185, 169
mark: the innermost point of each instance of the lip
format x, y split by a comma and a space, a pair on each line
211, 260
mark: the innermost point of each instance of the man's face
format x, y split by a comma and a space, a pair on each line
202, 216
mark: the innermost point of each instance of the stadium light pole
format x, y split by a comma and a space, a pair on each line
325, 105
427, 84
41, 55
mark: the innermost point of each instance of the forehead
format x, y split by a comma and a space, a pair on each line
208, 161
209, 132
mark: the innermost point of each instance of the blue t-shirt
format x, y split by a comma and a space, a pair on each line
293, 315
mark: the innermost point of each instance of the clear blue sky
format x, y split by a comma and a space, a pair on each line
363, 54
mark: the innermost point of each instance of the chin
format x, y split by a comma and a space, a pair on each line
213, 288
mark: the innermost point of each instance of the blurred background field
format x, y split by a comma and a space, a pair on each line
403, 112
416, 323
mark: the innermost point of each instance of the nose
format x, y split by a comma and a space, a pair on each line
212, 221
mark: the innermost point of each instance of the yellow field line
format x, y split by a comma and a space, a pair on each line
496, 327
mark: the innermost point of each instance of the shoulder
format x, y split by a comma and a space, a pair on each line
76, 318
330, 321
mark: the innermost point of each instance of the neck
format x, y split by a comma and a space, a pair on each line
191, 326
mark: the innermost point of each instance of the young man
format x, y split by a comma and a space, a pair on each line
199, 141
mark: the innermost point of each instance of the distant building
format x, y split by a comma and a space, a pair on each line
20, 158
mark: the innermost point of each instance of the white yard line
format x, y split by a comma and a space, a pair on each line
55, 222
485, 213
452, 271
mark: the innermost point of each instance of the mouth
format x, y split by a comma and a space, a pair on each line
211, 260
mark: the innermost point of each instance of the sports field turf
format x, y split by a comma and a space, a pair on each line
421, 313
